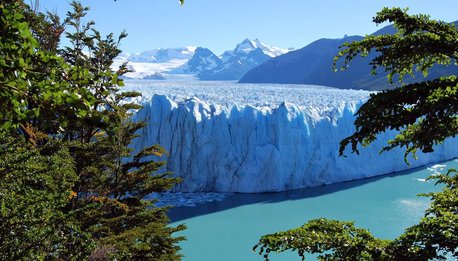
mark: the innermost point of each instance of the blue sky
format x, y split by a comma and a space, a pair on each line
220, 25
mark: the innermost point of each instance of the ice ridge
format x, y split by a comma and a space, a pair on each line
245, 148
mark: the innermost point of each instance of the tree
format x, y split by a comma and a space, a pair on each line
112, 182
31, 84
35, 187
110, 204
84, 187
35, 179
425, 114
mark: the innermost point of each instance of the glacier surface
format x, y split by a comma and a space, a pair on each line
228, 137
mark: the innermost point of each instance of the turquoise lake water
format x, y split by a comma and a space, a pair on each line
228, 229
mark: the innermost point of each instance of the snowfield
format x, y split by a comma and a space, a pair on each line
318, 100
229, 137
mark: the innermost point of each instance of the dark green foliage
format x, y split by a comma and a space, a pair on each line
425, 114
112, 183
340, 240
35, 187
112, 186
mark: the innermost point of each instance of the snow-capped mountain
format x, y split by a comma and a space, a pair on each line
203, 60
198, 62
247, 46
233, 64
151, 63
163, 55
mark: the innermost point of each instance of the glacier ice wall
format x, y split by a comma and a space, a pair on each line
249, 149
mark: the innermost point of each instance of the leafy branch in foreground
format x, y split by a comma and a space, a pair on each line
435, 236
425, 114
343, 239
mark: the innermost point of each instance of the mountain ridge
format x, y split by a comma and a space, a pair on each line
312, 64
198, 62
232, 64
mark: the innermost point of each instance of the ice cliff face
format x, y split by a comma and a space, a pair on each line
238, 147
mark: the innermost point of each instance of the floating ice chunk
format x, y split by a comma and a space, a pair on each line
414, 203
437, 168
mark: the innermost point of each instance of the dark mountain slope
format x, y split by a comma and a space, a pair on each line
313, 65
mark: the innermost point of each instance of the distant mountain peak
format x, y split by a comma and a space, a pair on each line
256, 41
247, 46
191, 48
202, 61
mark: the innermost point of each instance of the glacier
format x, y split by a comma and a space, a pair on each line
251, 138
